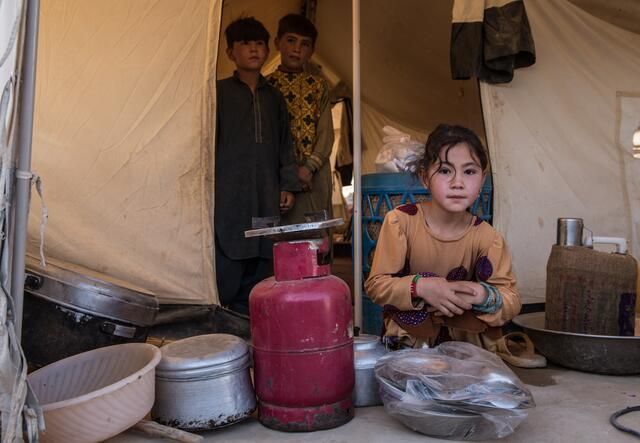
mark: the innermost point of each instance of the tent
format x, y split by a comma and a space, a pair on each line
124, 103
125, 100
124, 112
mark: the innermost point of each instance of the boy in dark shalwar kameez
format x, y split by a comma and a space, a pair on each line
255, 170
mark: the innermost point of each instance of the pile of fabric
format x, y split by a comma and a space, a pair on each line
454, 391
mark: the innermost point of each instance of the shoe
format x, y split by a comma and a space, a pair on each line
517, 349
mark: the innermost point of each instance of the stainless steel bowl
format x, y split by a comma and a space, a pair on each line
602, 354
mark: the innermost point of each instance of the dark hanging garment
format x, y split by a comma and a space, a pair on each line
490, 39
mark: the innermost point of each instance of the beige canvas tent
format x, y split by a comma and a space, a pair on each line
124, 112
125, 105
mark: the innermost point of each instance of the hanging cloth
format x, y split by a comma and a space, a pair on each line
490, 39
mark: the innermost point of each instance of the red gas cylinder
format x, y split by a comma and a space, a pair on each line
302, 333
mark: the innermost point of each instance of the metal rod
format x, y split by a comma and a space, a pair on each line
357, 170
23, 182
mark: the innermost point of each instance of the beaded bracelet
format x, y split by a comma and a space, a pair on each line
492, 303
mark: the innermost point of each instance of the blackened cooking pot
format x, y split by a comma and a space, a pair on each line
69, 309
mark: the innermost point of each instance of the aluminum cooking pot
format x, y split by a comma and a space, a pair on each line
367, 350
203, 382
80, 309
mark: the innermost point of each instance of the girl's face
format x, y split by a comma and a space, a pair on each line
455, 183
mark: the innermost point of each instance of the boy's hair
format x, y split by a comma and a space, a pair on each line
297, 24
446, 137
245, 30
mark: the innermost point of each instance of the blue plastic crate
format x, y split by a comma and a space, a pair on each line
381, 193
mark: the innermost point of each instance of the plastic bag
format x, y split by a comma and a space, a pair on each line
455, 391
398, 151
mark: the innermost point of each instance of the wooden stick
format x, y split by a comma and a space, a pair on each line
157, 430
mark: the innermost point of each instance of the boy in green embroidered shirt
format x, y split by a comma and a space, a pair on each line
307, 98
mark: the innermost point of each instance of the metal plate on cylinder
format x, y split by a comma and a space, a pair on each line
602, 354
291, 232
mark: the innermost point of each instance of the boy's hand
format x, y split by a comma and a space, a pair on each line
306, 177
287, 199
442, 295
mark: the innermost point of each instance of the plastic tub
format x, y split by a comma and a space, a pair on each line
95, 395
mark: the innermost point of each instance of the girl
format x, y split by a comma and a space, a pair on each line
439, 271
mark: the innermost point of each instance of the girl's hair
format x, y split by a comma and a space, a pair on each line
446, 137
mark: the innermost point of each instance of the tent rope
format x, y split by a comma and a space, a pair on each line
36, 181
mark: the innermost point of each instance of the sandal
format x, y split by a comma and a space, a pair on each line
517, 349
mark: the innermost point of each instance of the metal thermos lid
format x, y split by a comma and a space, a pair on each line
367, 350
203, 356
90, 292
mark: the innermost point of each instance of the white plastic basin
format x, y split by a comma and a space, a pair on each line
95, 395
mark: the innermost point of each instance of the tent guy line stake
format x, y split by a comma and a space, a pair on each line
357, 169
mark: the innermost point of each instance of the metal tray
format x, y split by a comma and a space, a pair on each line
295, 231
602, 354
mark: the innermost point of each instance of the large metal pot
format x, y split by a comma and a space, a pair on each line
367, 350
69, 309
203, 382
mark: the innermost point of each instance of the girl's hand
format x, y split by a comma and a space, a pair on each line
441, 295
470, 291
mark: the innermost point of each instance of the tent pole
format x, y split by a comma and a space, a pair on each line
23, 177
357, 169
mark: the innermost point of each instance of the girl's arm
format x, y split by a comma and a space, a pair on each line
386, 284
390, 284
494, 268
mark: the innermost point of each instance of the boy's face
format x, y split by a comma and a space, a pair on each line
249, 55
295, 50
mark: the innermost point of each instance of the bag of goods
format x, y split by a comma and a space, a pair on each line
398, 151
455, 391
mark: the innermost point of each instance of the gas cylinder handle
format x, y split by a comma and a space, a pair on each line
621, 243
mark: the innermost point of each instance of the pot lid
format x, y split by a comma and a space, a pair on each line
367, 350
91, 292
210, 354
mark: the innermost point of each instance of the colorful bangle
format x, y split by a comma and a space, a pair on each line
492, 303
414, 282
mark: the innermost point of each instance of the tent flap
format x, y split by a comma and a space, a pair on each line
560, 138
122, 140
